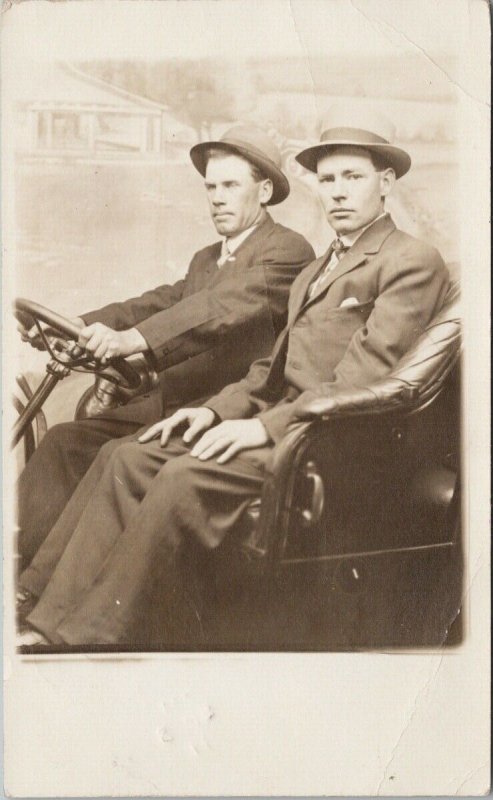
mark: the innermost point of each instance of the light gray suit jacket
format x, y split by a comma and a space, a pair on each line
395, 284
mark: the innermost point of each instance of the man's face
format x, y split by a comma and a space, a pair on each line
235, 198
351, 190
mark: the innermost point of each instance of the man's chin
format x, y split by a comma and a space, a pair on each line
225, 227
342, 226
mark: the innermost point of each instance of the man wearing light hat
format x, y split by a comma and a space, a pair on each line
200, 333
353, 313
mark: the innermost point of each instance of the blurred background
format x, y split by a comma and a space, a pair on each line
108, 204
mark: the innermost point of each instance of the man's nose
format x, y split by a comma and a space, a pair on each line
218, 197
339, 189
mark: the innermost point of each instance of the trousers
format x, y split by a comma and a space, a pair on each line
125, 526
54, 471
62, 459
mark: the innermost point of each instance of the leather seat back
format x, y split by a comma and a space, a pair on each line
416, 378
425, 367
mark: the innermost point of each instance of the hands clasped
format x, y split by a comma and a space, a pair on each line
224, 440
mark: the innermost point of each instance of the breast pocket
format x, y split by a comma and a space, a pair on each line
341, 324
352, 311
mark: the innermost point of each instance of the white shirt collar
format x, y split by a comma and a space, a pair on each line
234, 242
348, 239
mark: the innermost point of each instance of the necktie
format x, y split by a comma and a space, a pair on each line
225, 253
337, 248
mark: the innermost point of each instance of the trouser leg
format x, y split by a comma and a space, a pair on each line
36, 576
54, 471
148, 503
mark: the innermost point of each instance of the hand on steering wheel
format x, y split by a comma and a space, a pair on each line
105, 343
32, 314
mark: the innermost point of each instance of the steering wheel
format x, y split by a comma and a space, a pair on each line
29, 313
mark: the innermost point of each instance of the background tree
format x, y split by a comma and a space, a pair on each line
198, 93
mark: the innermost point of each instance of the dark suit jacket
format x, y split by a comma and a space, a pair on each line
205, 330
396, 284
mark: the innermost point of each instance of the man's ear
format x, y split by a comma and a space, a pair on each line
387, 181
266, 190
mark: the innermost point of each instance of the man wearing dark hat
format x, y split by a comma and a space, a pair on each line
353, 313
200, 333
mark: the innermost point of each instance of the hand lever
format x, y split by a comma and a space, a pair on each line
312, 515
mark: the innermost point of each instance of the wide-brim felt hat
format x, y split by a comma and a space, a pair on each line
255, 146
357, 127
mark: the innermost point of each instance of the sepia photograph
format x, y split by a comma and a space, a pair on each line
235, 410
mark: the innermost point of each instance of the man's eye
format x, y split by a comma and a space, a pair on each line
354, 176
325, 179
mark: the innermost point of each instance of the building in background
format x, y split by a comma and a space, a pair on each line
65, 112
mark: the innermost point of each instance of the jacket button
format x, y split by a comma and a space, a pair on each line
294, 364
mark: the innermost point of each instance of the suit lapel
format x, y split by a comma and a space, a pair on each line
367, 245
241, 257
355, 257
213, 255
256, 237
244, 254
299, 290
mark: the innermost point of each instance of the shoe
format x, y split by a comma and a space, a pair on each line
30, 638
23, 596
24, 604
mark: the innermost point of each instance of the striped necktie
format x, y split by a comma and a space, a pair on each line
339, 248
336, 250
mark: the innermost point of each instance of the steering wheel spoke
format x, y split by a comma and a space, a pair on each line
71, 355
66, 356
